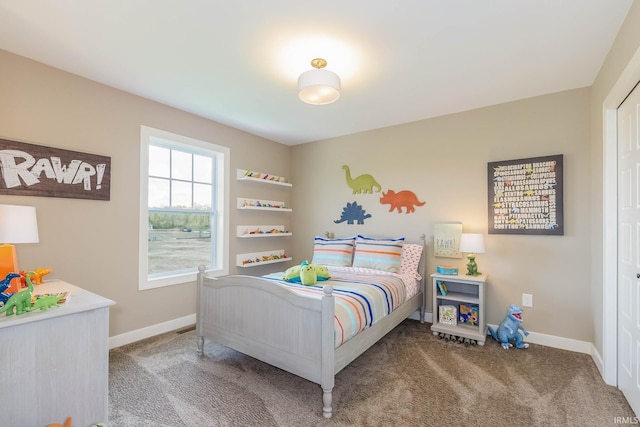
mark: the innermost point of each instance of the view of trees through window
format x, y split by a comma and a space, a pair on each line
180, 208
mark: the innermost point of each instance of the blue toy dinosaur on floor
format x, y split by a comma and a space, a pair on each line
508, 329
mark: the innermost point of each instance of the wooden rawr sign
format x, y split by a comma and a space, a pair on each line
35, 170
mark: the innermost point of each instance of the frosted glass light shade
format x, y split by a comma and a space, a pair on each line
319, 87
472, 243
18, 224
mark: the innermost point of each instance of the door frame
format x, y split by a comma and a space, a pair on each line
623, 86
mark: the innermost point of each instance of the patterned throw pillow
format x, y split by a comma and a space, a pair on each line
379, 254
411, 254
337, 252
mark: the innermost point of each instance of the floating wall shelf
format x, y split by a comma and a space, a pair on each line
261, 258
257, 231
262, 205
247, 175
252, 231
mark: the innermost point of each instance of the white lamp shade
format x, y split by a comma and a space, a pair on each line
472, 243
18, 224
319, 87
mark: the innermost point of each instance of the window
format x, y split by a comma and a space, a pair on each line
183, 208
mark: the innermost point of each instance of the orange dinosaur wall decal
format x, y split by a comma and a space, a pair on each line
405, 198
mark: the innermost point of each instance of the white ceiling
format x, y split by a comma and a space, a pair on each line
237, 61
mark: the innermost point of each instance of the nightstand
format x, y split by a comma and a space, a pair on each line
466, 295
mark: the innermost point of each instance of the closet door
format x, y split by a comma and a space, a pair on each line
628, 253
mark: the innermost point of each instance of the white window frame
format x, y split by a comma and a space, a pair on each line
221, 208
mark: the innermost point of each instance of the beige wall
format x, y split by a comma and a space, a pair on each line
625, 46
94, 244
444, 161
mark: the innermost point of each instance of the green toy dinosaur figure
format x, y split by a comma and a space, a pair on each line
45, 302
21, 301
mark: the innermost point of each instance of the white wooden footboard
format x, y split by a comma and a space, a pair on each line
271, 323
268, 321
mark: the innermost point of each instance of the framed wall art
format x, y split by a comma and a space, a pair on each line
446, 240
525, 196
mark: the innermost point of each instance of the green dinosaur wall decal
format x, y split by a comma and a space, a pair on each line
364, 183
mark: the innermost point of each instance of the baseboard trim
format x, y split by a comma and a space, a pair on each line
150, 331
557, 342
534, 337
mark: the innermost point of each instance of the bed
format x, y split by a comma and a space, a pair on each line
304, 329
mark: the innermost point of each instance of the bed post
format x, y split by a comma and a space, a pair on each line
200, 283
328, 350
423, 281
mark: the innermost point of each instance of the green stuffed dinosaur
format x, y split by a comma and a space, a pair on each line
294, 274
20, 301
308, 275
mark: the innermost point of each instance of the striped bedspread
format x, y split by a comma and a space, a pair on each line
362, 297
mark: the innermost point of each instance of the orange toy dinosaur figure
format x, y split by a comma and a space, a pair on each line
36, 278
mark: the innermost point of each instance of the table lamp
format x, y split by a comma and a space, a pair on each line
472, 244
18, 224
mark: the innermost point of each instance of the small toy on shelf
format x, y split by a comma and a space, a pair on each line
258, 230
260, 175
270, 257
508, 329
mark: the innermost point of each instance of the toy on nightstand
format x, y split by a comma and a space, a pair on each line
508, 329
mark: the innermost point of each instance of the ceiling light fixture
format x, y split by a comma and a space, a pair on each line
319, 86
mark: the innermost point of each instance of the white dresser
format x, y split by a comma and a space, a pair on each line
54, 364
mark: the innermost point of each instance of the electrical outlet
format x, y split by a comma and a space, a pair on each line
527, 300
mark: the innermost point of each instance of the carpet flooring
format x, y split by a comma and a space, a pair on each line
409, 378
